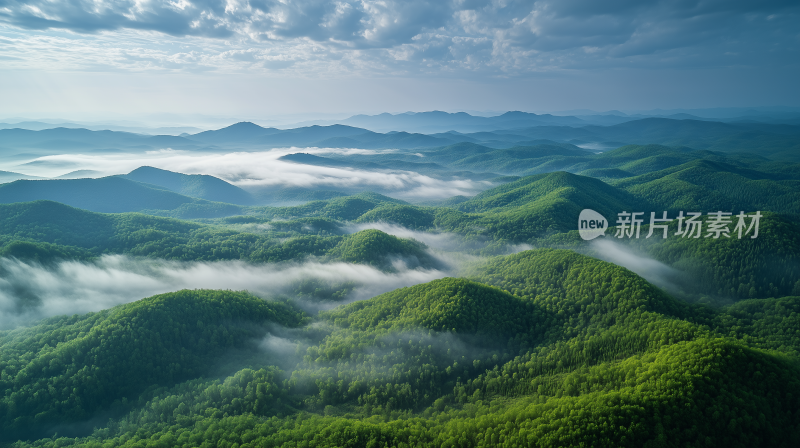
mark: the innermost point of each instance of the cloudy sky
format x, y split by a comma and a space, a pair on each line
268, 57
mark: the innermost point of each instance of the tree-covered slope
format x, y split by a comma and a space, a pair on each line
450, 304
47, 231
521, 159
193, 185
533, 207
67, 368
576, 352
539, 190
409, 216
711, 186
734, 268
719, 269
380, 249
112, 194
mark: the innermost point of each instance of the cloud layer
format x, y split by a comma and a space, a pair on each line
255, 170
30, 291
394, 36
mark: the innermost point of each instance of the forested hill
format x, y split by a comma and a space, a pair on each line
111, 195
720, 269
779, 142
531, 210
551, 356
529, 336
194, 185
65, 369
47, 231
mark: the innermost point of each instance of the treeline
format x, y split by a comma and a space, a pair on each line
67, 368
45, 232
565, 350
537, 210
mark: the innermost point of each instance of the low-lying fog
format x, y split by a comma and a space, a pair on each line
257, 170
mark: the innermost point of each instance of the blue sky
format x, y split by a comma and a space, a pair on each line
239, 57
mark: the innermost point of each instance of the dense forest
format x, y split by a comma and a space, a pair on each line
528, 336
564, 349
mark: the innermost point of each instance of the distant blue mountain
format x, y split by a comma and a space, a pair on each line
239, 132
438, 121
776, 141
310, 135
56, 139
108, 194
193, 185
9, 176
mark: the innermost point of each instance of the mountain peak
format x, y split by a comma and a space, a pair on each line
244, 125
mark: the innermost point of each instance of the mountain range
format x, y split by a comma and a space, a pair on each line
374, 321
774, 141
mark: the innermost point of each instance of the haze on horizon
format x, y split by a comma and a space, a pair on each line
111, 60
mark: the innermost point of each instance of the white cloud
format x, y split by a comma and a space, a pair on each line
254, 170
335, 37
651, 270
30, 291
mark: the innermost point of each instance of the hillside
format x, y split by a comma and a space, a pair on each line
193, 185
166, 339
558, 358
707, 185
235, 133
451, 304
733, 268
536, 206
379, 249
507, 329
513, 129
110, 195
47, 231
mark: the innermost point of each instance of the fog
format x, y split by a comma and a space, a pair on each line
29, 291
651, 270
442, 241
258, 170
444, 245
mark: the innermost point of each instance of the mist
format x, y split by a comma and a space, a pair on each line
254, 171
442, 241
30, 291
450, 247
654, 271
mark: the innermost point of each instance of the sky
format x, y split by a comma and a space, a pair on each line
114, 59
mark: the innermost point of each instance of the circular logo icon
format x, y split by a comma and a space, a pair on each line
591, 224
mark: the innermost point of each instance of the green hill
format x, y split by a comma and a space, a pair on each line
569, 284
733, 268
111, 195
379, 249
193, 185
533, 191
409, 216
521, 159
706, 185
534, 207
713, 270
450, 304
575, 352
46, 231
86, 363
